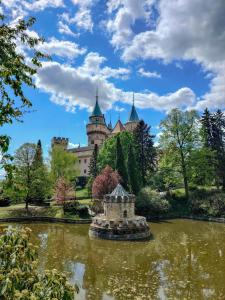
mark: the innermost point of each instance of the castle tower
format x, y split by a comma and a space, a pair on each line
60, 141
133, 119
97, 130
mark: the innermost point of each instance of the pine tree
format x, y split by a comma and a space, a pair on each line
218, 144
120, 162
146, 153
93, 167
132, 169
206, 122
40, 182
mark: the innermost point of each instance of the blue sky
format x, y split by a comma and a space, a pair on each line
169, 53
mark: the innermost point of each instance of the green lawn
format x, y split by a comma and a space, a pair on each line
82, 193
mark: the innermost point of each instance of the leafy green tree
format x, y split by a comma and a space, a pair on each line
145, 150
19, 273
133, 172
93, 166
179, 138
120, 164
63, 164
15, 72
107, 152
206, 130
40, 182
24, 173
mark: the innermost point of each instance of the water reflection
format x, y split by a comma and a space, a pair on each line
185, 260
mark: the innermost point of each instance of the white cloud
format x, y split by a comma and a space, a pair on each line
65, 29
72, 145
20, 8
83, 18
61, 48
75, 87
187, 30
148, 74
118, 108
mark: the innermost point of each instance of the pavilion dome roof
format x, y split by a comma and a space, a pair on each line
97, 110
119, 191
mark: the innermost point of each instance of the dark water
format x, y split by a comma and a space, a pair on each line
184, 260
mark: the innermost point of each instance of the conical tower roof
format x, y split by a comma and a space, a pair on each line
97, 110
133, 114
118, 127
119, 191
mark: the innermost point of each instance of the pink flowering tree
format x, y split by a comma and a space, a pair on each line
105, 182
63, 190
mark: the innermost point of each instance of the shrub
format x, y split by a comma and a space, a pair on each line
71, 207
82, 211
20, 277
149, 203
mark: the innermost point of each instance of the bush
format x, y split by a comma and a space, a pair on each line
19, 274
71, 207
151, 204
82, 211
208, 203
4, 202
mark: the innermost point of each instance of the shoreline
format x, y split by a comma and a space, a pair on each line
88, 221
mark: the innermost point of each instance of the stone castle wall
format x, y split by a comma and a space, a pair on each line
114, 211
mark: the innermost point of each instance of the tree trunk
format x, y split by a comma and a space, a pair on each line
184, 171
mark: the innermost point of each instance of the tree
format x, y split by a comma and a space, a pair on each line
40, 182
20, 276
105, 182
63, 190
206, 130
120, 164
93, 166
24, 175
179, 137
218, 144
145, 151
107, 152
63, 164
16, 71
133, 172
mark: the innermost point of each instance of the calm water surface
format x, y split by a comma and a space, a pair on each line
184, 260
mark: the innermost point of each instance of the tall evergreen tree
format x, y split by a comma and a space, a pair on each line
93, 166
132, 170
206, 121
146, 153
120, 163
40, 182
218, 144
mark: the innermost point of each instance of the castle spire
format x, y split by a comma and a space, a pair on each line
133, 114
97, 110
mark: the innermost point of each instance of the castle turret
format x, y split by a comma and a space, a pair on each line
97, 129
133, 119
60, 141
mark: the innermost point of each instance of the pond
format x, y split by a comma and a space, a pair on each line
184, 260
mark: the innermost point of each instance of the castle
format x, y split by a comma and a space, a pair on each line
97, 132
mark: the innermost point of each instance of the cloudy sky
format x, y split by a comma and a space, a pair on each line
169, 53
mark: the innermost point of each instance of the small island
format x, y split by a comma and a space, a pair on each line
119, 222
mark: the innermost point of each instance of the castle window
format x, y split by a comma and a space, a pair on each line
85, 161
92, 142
85, 171
79, 161
125, 214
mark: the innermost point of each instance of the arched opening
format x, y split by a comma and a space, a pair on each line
125, 213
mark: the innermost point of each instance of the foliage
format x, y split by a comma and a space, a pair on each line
150, 203
179, 137
20, 277
93, 166
201, 166
24, 175
107, 154
63, 190
63, 164
105, 182
209, 203
120, 164
145, 150
89, 185
133, 172
15, 72
40, 180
